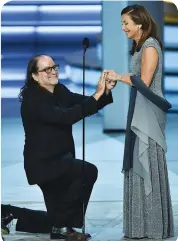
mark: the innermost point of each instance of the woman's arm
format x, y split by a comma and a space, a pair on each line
125, 78
149, 61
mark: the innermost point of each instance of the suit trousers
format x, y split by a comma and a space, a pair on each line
31, 221
65, 196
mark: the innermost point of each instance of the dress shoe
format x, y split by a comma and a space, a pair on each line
66, 234
6, 219
4, 230
76, 237
88, 236
6, 215
60, 233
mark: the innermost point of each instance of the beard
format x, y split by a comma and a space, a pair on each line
54, 81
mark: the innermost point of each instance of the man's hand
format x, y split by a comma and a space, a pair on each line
101, 86
110, 84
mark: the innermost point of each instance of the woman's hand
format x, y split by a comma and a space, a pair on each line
110, 84
125, 78
112, 75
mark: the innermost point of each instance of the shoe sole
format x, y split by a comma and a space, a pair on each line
58, 239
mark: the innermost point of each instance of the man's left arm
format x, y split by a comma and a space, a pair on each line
78, 98
105, 99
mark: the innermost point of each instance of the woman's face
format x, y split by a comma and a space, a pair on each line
129, 27
46, 76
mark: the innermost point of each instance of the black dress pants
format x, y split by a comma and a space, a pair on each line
31, 221
64, 196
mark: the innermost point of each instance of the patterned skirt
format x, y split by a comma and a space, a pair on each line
148, 216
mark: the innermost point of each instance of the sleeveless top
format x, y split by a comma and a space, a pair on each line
156, 85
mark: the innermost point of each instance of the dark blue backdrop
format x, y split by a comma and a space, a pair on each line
57, 29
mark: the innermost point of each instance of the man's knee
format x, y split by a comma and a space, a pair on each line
92, 172
95, 171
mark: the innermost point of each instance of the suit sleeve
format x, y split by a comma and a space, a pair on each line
47, 112
78, 99
105, 100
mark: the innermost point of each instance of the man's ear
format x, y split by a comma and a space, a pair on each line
34, 77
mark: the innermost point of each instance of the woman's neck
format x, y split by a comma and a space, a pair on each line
137, 39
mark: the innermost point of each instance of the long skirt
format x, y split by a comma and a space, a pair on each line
148, 216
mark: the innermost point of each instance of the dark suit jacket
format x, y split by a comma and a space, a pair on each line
47, 119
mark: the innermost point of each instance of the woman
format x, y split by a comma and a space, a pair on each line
48, 112
147, 201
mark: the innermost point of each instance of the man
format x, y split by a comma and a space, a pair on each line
48, 112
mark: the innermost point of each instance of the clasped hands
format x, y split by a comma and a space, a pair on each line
107, 82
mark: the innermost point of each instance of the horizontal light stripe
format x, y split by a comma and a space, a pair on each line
69, 29
54, 22
9, 92
20, 76
171, 83
171, 35
18, 30
71, 8
51, 29
171, 61
25, 8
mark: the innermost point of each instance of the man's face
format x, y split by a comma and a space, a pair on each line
46, 75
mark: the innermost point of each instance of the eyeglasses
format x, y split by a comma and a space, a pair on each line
49, 69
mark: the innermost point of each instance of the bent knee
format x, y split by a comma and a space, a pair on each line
93, 172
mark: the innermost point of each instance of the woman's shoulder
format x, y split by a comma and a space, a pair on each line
151, 42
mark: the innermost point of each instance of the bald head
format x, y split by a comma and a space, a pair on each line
45, 61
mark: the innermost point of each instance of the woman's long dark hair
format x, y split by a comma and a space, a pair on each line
31, 68
140, 15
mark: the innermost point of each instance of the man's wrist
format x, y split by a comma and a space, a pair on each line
97, 96
107, 91
119, 77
